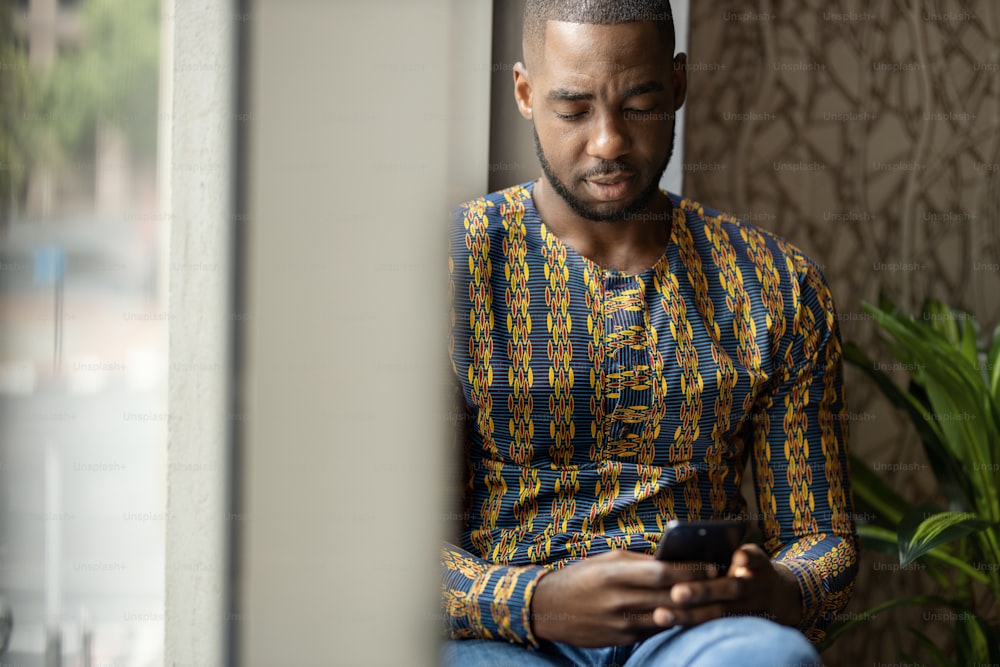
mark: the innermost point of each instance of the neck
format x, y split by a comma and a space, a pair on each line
638, 241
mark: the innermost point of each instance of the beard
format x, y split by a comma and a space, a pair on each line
588, 212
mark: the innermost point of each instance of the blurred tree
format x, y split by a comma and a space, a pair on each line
50, 119
16, 100
113, 79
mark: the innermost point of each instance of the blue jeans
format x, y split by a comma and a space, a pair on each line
743, 641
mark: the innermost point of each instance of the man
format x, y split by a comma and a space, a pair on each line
620, 353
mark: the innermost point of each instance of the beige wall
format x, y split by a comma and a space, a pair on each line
369, 122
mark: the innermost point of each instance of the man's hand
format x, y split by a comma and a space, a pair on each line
754, 586
607, 599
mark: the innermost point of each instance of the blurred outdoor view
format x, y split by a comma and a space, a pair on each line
83, 266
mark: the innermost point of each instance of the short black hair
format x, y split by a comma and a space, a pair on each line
600, 12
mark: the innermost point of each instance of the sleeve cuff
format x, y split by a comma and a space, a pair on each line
507, 592
492, 602
813, 596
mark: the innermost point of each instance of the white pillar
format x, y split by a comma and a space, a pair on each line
200, 196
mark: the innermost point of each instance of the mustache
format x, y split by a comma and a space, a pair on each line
605, 167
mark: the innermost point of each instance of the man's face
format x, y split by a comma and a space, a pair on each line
602, 100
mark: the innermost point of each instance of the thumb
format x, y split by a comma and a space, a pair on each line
747, 560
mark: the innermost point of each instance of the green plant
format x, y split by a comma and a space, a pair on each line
15, 100
49, 118
953, 401
112, 80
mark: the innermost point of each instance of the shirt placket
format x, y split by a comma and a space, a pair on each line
626, 361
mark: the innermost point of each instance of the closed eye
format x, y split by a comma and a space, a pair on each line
639, 114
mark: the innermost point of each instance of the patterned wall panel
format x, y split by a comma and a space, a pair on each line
867, 133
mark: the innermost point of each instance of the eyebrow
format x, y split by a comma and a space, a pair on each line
566, 95
643, 88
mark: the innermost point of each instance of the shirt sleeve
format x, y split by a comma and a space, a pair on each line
799, 459
483, 600
479, 599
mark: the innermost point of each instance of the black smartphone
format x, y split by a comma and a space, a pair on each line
701, 541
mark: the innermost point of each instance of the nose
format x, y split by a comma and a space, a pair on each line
609, 139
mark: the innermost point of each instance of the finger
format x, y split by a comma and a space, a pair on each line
666, 617
721, 589
645, 600
637, 617
647, 572
626, 568
747, 560
638, 631
677, 572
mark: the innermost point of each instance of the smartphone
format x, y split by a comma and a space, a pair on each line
701, 541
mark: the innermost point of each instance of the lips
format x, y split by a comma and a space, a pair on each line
610, 187
611, 179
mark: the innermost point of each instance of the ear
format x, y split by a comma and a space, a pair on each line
522, 90
680, 80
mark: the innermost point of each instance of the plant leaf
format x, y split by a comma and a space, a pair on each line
886, 304
958, 412
879, 539
932, 648
839, 627
973, 638
871, 490
993, 365
970, 336
882, 540
947, 473
939, 555
919, 533
940, 318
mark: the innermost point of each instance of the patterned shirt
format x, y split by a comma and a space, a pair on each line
599, 405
